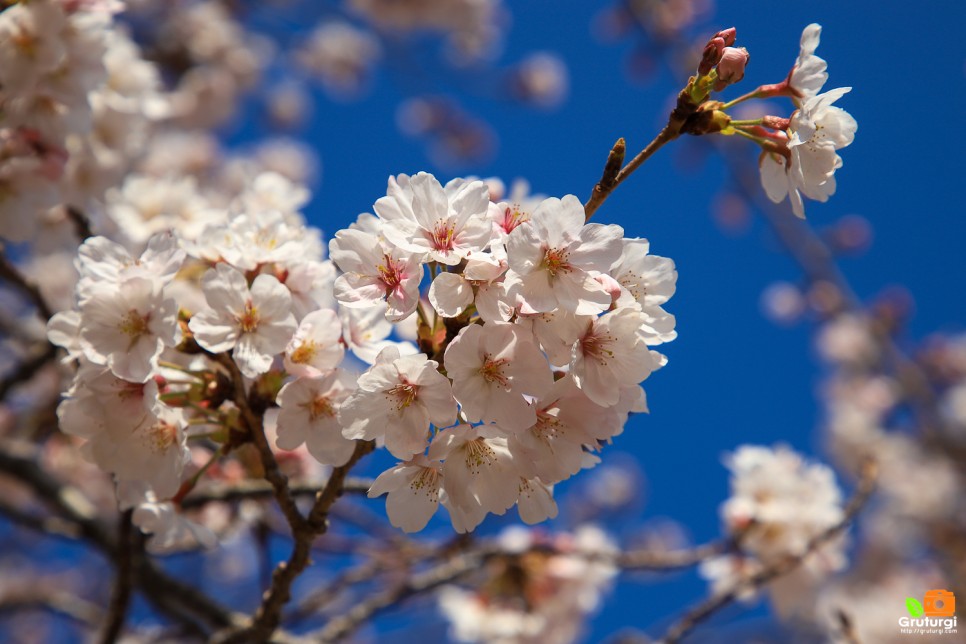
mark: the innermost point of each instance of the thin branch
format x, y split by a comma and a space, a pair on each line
82, 225
121, 596
55, 601
268, 615
648, 559
609, 180
259, 490
11, 274
698, 614
172, 597
447, 572
27, 369
256, 429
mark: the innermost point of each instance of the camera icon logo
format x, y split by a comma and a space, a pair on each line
939, 603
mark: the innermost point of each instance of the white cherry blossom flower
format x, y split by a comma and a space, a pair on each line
648, 280
310, 283
779, 501
612, 353
397, 399
536, 503
445, 225
256, 323
373, 272
480, 283
309, 414
492, 367
101, 260
97, 397
152, 449
555, 253
412, 489
316, 346
815, 132
480, 474
127, 326
171, 531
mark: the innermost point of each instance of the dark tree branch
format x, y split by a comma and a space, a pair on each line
256, 430
121, 596
268, 615
11, 274
260, 490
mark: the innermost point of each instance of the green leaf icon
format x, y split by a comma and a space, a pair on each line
914, 607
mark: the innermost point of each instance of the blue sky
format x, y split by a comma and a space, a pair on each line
733, 377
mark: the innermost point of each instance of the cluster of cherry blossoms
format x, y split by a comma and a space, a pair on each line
779, 505
540, 589
532, 341
77, 103
541, 323
799, 152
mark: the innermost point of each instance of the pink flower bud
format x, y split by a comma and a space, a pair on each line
728, 35
731, 67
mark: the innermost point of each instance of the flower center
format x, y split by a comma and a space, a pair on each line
162, 435
555, 261
248, 321
513, 217
492, 370
305, 352
320, 407
597, 346
442, 236
478, 455
133, 324
389, 274
404, 394
426, 482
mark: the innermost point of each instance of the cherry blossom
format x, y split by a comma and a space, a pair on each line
127, 326
412, 489
396, 400
612, 353
255, 323
444, 225
493, 366
373, 272
555, 253
316, 346
309, 414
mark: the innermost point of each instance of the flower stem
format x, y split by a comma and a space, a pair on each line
741, 99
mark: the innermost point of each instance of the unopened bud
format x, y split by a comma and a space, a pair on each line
710, 56
731, 67
728, 35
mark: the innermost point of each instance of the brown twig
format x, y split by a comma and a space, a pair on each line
56, 601
172, 597
258, 490
256, 429
449, 571
268, 615
610, 179
648, 559
12, 275
121, 596
82, 225
27, 369
769, 573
